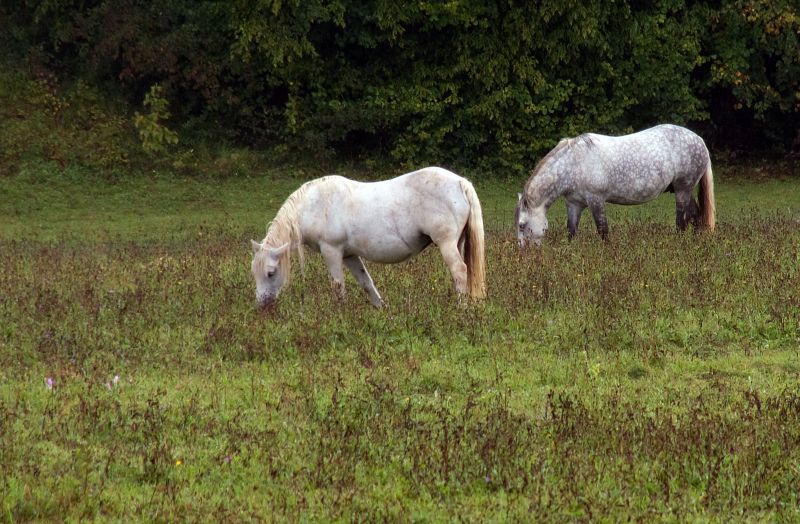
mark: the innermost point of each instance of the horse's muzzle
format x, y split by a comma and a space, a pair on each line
525, 243
265, 303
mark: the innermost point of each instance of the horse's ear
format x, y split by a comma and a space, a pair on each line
255, 245
278, 251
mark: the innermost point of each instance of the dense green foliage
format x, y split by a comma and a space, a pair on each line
653, 377
489, 84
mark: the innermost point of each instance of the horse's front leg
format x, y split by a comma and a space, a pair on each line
333, 259
574, 210
598, 209
356, 267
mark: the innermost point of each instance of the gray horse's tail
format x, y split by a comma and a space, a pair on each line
705, 198
474, 256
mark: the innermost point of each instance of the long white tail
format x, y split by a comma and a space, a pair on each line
705, 198
474, 256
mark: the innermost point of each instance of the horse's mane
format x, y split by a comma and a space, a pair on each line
285, 227
564, 145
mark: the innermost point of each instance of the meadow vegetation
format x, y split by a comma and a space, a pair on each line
651, 377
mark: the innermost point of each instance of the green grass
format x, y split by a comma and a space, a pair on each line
653, 377
44, 203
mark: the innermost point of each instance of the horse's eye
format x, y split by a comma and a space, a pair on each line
271, 274
522, 226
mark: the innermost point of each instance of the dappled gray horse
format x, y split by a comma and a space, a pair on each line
387, 222
591, 170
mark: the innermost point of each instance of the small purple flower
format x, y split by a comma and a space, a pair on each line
728, 254
49, 383
487, 478
227, 459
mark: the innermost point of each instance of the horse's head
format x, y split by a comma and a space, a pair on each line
531, 223
270, 270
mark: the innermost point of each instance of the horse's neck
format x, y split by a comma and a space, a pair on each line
545, 188
285, 227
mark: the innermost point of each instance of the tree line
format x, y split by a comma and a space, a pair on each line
485, 83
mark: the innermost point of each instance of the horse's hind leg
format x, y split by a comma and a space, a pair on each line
686, 210
455, 263
356, 267
694, 213
600, 220
462, 243
574, 211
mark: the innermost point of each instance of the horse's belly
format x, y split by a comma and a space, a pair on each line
638, 191
388, 250
638, 198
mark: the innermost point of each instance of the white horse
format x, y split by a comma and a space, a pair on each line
591, 170
386, 222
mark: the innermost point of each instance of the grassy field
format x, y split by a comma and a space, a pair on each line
653, 377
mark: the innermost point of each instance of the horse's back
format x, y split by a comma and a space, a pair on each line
427, 187
424, 186
427, 177
647, 141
